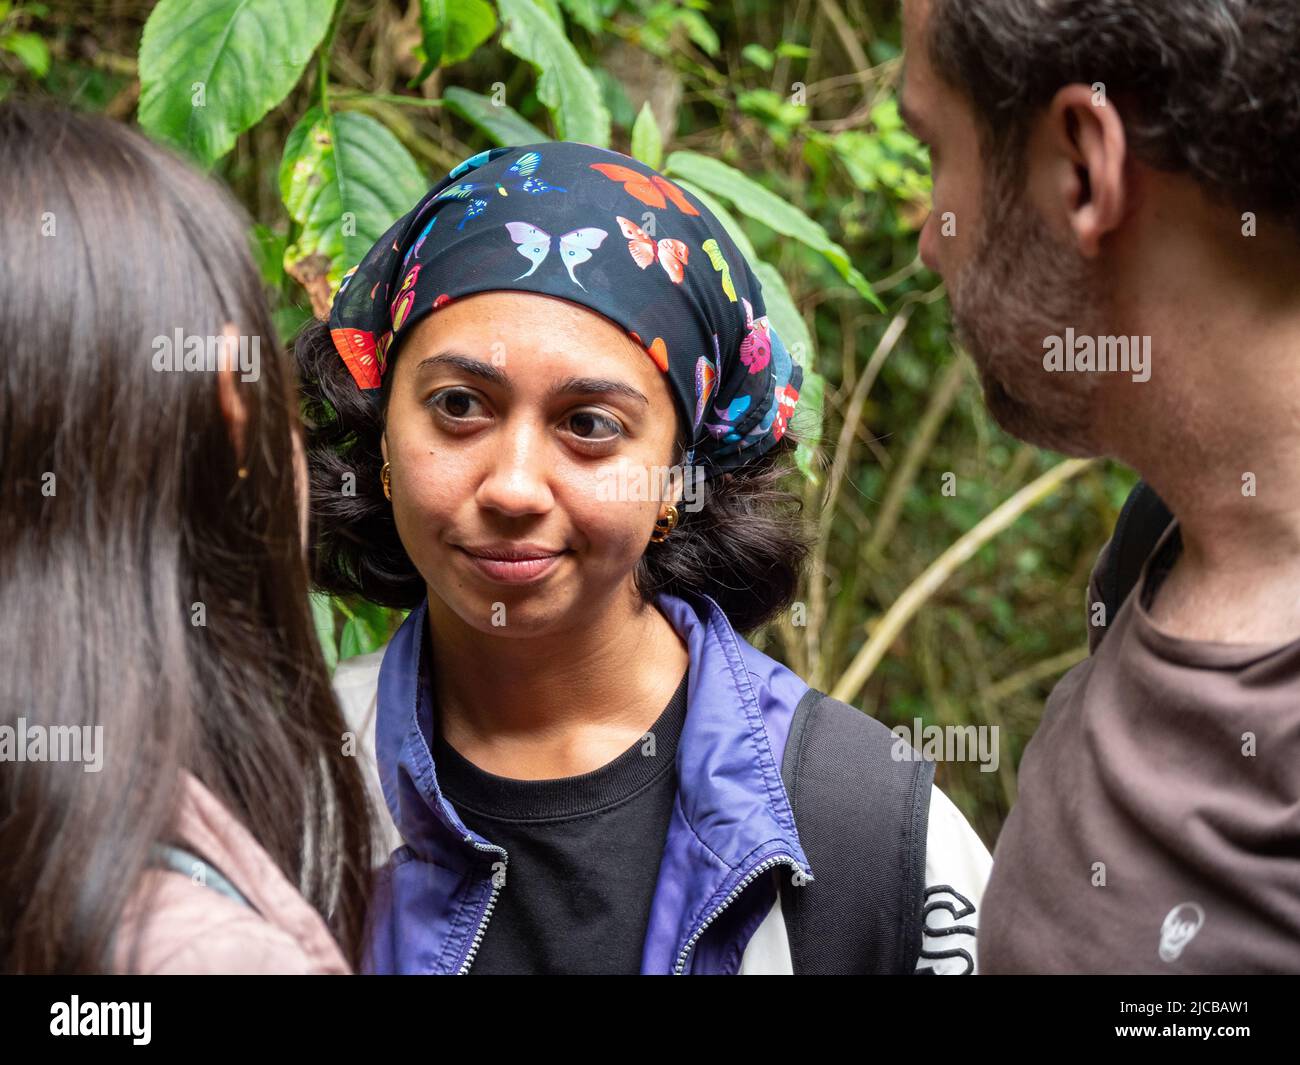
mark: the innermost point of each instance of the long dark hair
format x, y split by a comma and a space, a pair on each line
147, 585
745, 546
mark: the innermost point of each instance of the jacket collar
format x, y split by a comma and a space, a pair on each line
732, 814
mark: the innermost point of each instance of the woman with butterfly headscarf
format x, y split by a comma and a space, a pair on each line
550, 417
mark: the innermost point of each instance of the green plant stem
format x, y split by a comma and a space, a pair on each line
326, 47
937, 573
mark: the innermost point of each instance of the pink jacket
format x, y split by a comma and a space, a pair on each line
184, 926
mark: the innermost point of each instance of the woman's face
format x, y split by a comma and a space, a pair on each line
526, 422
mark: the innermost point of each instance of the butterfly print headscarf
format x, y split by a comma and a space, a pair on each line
603, 230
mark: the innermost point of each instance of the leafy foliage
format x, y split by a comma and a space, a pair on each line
328, 120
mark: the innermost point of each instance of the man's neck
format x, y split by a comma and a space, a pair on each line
1216, 432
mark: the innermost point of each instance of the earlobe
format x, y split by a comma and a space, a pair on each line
1089, 131
233, 408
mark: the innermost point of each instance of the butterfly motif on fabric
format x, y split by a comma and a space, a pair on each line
405, 298
651, 189
346, 278
706, 378
671, 254
729, 415
357, 346
756, 348
414, 251
519, 177
576, 246
714, 252
657, 349
786, 396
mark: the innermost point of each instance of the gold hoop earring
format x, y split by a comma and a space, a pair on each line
386, 479
665, 525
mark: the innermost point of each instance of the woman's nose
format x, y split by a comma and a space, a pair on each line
518, 479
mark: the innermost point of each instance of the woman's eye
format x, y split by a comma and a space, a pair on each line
455, 402
588, 424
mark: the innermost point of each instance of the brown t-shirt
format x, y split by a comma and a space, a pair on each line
1157, 828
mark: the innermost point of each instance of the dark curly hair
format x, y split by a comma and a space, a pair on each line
745, 546
1209, 86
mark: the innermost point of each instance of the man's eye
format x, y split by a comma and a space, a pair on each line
583, 420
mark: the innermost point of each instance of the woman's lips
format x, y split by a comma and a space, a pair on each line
521, 571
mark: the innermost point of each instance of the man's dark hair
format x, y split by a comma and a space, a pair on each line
1206, 87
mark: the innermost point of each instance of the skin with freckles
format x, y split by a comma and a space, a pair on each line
1085, 235
505, 412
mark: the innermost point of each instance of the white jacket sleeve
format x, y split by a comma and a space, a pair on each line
957, 866
356, 686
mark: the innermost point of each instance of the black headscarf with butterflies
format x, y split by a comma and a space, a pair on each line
603, 230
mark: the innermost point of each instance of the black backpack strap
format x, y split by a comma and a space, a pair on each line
861, 817
1142, 521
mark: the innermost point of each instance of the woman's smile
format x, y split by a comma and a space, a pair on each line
515, 570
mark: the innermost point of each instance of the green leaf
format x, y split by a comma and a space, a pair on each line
31, 51
699, 31
564, 85
268, 252
751, 198
289, 322
210, 69
758, 55
434, 28
586, 13
808, 419
345, 179
472, 23
501, 122
614, 97
322, 613
451, 31
361, 635
794, 51
646, 143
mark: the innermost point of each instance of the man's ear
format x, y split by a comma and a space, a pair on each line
233, 408
1081, 143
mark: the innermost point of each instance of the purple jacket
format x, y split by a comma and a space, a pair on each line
731, 823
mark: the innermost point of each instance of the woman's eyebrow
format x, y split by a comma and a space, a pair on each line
595, 386
570, 386
466, 364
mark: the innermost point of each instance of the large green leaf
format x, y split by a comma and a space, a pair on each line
564, 84
345, 179
752, 199
210, 69
322, 614
586, 13
502, 123
451, 30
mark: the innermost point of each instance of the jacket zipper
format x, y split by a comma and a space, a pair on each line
487, 910
753, 874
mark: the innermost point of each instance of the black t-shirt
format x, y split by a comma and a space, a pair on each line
583, 853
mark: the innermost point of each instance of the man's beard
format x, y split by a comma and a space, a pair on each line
1020, 287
